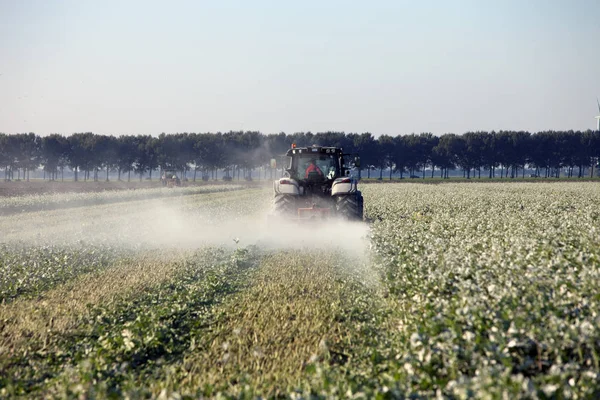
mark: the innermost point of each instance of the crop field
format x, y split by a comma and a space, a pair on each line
459, 290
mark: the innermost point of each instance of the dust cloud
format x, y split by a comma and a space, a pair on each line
234, 220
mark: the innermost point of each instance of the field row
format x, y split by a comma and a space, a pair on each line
479, 290
52, 201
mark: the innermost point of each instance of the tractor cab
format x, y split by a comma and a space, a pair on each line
316, 165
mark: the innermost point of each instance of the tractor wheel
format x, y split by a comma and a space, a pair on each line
360, 205
350, 206
284, 205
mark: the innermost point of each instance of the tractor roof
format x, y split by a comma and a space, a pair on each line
312, 150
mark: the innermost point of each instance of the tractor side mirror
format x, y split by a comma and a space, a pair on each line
357, 162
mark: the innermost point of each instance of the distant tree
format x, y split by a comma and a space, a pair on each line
76, 153
53, 154
4, 156
587, 155
444, 154
387, 154
106, 149
470, 157
146, 155
489, 156
366, 146
126, 155
428, 143
402, 154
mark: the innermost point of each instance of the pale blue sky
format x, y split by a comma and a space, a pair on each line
392, 67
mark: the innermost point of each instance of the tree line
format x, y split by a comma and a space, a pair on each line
503, 153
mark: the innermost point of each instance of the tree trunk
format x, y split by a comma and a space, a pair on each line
390, 173
432, 170
381, 173
129, 176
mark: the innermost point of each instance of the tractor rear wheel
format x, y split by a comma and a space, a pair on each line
350, 206
285, 205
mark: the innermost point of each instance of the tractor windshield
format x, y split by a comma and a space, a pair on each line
317, 166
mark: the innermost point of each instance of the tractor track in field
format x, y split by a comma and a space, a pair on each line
65, 201
264, 319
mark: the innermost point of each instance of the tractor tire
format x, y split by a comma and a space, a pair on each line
285, 205
360, 205
350, 207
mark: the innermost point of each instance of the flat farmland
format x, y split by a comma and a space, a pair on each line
479, 290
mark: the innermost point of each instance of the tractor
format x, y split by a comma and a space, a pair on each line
317, 185
170, 179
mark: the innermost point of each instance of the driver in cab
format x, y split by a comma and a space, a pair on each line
313, 167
